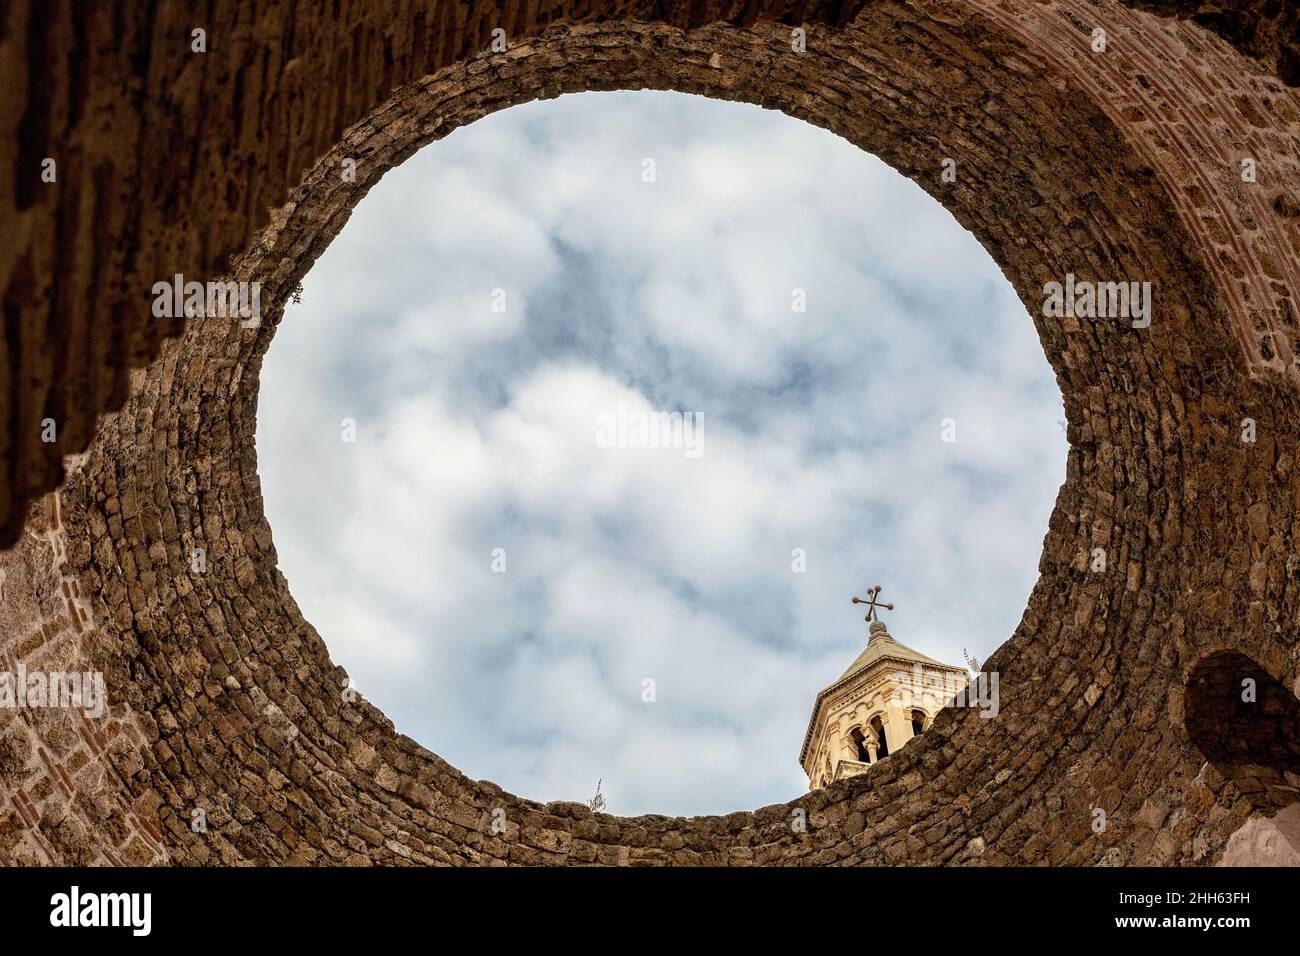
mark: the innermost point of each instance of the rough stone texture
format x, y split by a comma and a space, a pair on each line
168, 161
1273, 842
1123, 165
61, 771
1269, 29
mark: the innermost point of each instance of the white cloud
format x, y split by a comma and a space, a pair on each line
476, 430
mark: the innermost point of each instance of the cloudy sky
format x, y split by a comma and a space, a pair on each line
495, 296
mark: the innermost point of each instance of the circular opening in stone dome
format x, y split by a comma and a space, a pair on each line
579, 438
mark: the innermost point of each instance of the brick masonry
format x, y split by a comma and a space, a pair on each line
1122, 165
65, 799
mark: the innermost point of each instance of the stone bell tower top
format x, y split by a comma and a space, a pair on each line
888, 695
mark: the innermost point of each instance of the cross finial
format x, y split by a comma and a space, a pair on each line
873, 606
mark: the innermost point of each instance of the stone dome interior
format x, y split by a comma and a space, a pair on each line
1124, 165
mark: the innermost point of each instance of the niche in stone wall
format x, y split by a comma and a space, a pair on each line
1247, 724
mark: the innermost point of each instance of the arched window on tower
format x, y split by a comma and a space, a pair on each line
918, 722
882, 744
859, 745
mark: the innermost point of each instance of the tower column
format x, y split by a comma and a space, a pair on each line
834, 746
898, 726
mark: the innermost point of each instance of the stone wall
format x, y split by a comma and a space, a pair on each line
168, 160
62, 771
1121, 165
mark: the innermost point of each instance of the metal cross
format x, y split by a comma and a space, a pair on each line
873, 613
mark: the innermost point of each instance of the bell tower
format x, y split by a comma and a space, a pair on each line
889, 695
